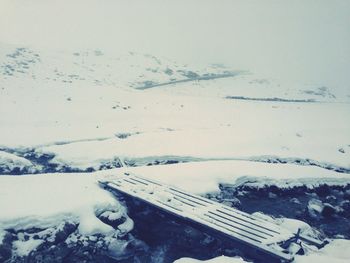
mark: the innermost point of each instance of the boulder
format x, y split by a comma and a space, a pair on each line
345, 205
64, 231
328, 210
272, 195
323, 190
314, 208
6, 247
331, 199
347, 194
295, 200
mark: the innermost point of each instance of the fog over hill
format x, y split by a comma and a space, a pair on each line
300, 40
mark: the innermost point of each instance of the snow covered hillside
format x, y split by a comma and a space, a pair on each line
187, 100
85, 109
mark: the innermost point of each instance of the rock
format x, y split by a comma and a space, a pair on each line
347, 194
314, 195
331, 199
93, 238
323, 190
63, 232
328, 210
314, 208
117, 248
345, 205
295, 200
136, 245
299, 214
55, 253
272, 195
6, 247
337, 192
113, 218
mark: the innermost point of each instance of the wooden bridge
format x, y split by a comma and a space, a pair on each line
265, 237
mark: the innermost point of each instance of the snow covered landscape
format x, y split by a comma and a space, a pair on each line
268, 136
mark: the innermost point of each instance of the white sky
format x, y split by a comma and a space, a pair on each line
300, 40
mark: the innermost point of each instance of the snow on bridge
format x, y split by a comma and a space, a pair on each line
263, 236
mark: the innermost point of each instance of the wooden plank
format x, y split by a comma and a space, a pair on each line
187, 199
192, 196
243, 224
261, 226
236, 227
239, 219
138, 181
148, 180
253, 219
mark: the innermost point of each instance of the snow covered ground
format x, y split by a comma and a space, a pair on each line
334, 252
70, 112
70, 117
194, 119
49, 201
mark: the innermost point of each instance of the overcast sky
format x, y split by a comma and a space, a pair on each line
306, 40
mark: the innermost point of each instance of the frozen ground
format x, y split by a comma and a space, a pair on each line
228, 134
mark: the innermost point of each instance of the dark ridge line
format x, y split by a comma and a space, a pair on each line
59, 143
203, 77
271, 99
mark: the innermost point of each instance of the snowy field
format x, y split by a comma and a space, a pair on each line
195, 135
278, 147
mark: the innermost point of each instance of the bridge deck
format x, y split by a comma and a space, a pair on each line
242, 227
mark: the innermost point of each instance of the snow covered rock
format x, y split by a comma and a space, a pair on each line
12, 164
336, 251
345, 206
315, 208
328, 210
61, 222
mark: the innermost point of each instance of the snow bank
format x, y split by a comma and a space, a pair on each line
23, 248
204, 177
46, 200
336, 251
52, 197
9, 162
231, 134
